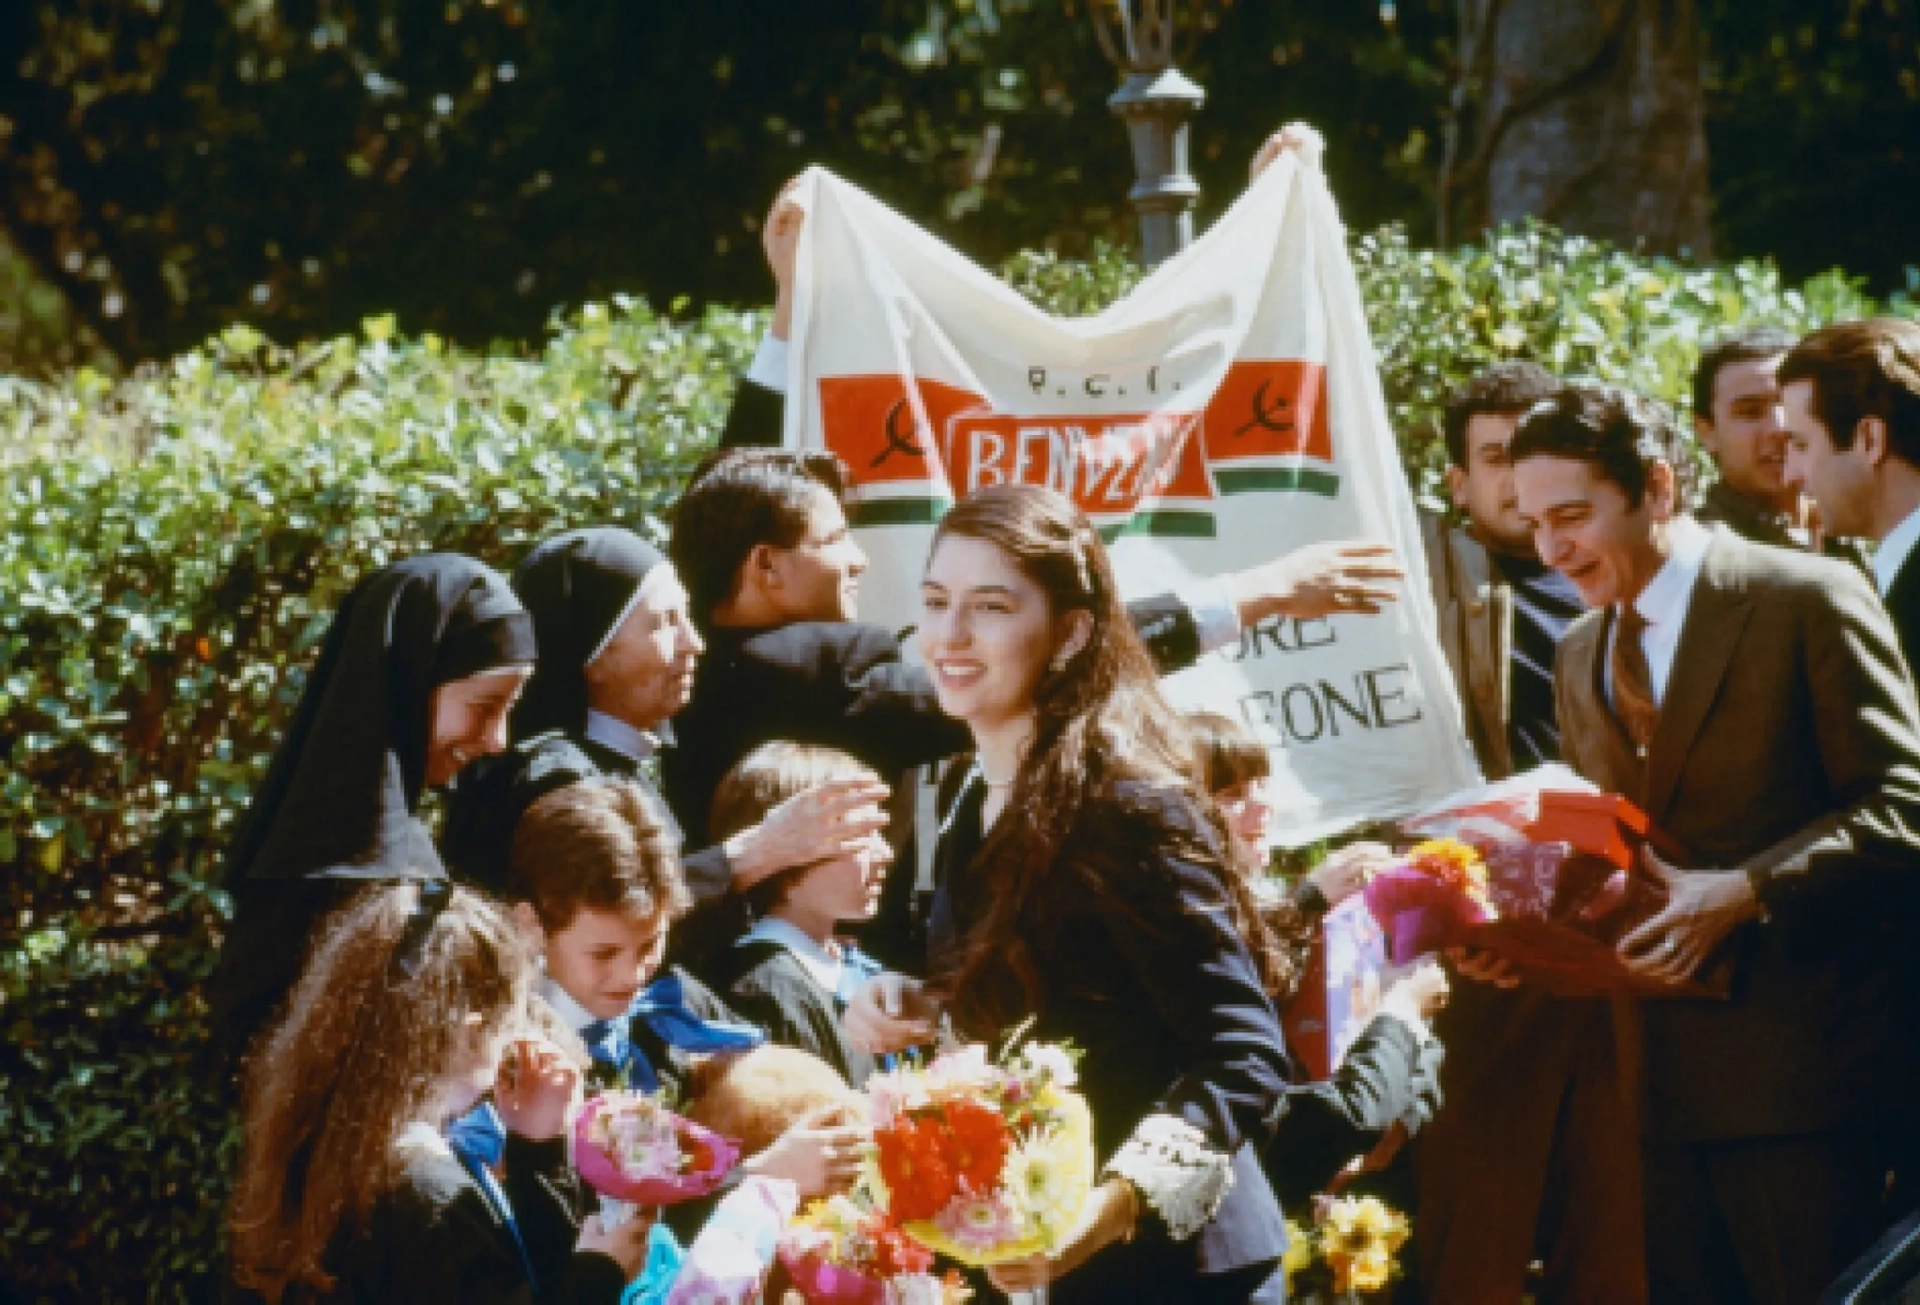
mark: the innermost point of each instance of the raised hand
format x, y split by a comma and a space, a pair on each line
1295, 136
780, 237
627, 1245
535, 1088
1349, 869
826, 821
1339, 578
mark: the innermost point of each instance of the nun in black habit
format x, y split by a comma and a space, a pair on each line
617, 654
414, 680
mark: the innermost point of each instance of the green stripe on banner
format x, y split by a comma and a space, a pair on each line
1184, 525
897, 512
1252, 480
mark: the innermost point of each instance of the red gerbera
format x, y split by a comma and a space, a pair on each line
894, 1253
976, 1144
917, 1175
697, 1155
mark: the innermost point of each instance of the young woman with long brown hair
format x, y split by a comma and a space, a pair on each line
348, 1190
1085, 882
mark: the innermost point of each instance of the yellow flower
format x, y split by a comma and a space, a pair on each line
1042, 1176
1359, 1238
1369, 1272
1452, 862
1299, 1252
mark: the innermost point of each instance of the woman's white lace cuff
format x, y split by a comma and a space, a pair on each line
1176, 1172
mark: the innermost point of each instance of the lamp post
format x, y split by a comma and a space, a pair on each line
1155, 102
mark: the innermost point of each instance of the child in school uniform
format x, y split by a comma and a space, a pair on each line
791, 972
597, 886
1387, 1085
348, 1190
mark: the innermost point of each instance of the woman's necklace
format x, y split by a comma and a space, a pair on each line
994, 784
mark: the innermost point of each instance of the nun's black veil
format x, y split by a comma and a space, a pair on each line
578, 587
337, 806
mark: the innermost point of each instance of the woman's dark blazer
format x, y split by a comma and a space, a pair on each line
1140, 966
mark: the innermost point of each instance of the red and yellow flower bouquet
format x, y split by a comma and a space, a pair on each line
981, 1161
840, 1251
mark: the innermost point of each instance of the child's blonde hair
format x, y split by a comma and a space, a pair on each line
382, 1014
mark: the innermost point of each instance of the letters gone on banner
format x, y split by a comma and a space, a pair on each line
1224, 413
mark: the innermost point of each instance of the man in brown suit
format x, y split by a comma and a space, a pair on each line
1754, 702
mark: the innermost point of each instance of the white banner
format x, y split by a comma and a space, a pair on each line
1225, 412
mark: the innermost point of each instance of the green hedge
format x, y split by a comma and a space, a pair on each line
172, 545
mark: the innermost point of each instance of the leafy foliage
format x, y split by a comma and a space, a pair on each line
172, 546
302, 164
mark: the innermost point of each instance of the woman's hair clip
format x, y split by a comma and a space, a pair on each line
434, 896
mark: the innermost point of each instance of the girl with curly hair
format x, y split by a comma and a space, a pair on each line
348, 1189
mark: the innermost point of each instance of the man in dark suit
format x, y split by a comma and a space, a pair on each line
1754, 703
1852, 398
1738, 421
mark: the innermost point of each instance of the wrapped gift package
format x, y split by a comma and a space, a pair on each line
1340, 991
1564, 872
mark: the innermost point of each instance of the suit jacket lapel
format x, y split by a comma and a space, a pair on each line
1903, 604
1717, 613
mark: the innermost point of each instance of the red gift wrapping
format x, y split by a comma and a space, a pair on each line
1570, 892
1605, 825
1565, 906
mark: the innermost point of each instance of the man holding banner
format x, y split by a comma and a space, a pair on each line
1224, 413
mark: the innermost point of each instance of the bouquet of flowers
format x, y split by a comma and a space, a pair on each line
982, 1161
840, 1251
1352, 1249
1562, 865
1427, 901
633, 1151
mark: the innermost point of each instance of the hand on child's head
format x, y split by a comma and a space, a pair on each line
535, 1089
627, 1244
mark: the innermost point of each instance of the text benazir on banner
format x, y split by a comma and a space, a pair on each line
1224, 412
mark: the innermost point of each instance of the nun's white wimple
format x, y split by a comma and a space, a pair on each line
659, 575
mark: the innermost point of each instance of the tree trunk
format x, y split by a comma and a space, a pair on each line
1587, 114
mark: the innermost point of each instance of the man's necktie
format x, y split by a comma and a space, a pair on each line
1633, 700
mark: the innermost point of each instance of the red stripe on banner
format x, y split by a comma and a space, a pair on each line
951, 441
885, 434
1267, 410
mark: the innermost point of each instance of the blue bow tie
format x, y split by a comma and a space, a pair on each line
479, 1136
856, 967
662, 1008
